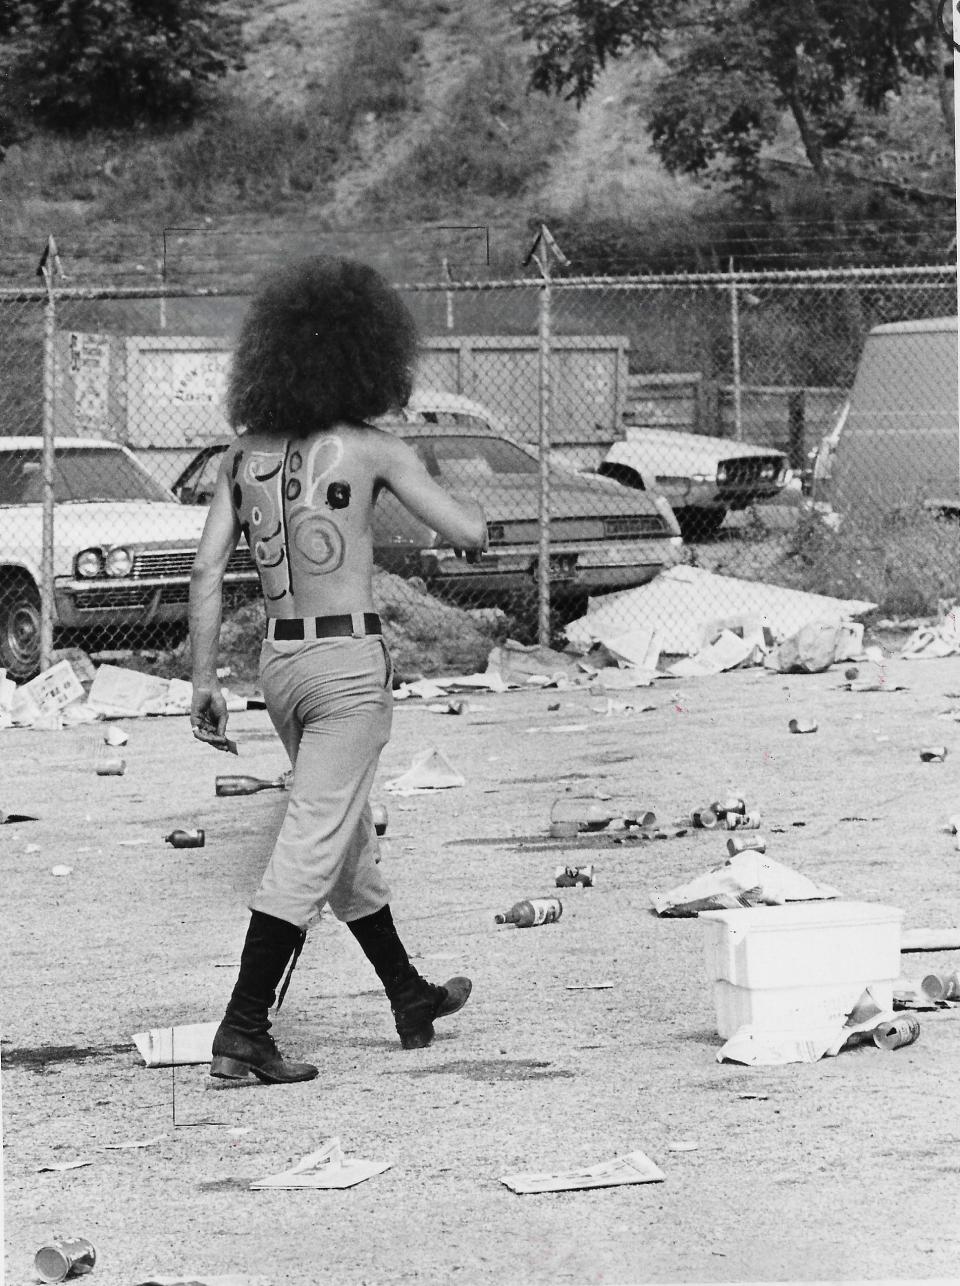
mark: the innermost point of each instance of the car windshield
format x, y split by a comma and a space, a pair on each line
85, 474
460, 459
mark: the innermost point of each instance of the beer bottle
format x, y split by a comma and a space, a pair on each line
244, 785
530, 912
185, 839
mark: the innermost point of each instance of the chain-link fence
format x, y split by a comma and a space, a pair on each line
654, 455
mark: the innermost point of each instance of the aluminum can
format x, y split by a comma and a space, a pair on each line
705, 818
902, 1030
933, 754
741, 843
639, 816
732, 804
743, 821
379, 818
195, 838
64, 1257
802, 725
942, 986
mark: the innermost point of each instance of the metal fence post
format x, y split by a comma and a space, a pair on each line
735, 335
49, 263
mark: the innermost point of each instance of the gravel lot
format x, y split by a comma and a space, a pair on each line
843, 1171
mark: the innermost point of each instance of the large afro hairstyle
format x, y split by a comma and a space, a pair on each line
324, 340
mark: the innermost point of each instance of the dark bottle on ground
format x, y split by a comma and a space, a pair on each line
531, 912
243, 785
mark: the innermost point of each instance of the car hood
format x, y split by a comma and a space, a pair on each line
518, 496
666, 451
81, 524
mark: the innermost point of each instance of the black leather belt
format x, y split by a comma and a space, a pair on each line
350, 625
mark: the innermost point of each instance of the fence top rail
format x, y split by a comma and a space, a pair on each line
799, 277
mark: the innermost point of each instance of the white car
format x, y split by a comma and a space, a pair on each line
123, 547
702, 477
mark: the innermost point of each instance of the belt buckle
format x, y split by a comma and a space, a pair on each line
359, 625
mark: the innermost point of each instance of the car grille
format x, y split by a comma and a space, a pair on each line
96, 600
626, 527
751, 470
179, 562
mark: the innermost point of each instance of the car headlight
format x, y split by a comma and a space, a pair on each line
119, 561
707, 477
89, 563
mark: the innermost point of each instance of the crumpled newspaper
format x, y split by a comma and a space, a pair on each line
942, 639
430, 770
745, 879
761, 1047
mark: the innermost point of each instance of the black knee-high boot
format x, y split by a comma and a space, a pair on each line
242, 1043
414, 1001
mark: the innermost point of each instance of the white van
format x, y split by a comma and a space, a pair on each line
897, 440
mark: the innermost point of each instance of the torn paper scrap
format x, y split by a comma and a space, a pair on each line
515, 663
616, 680
133, 1143
61, 1165
325, 1168
761, 1047
430, 770
176, 1046
55, 688
634, 1167
940, 640
639, 646
726, 653
746, 879
118, 691
682, 600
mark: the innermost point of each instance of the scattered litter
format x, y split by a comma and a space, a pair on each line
568, 877
133, 1143
744, 843
430, 770
581, 812
588, 986
55, 688
325, 1168
61, 870
621, 708
683, 1145
760, 1097
115, 736
681, 603
176, 1046
530, 912
756, 1047
451, 707
516, 663
802, 725
119, 692
941, 986
56, 1166
657, 832
186, 839
727, 652
614, 679
424, 688
933, 754
13, 819
744, 880
203, 1279
937, 641
634, 1167
637, 815
64, 1257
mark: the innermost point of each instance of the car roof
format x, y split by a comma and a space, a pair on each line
918, 326
36, 443
429, 399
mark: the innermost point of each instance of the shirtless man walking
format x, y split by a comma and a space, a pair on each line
325, 346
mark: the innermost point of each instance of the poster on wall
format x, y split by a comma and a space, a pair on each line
199, 377
90, 368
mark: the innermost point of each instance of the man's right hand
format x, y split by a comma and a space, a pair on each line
208, 714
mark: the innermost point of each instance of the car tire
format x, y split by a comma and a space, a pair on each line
700, 524
19, 626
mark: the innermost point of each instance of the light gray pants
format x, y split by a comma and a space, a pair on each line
331, 702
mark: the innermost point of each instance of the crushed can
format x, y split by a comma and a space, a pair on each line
64, 1257
637, 815
186, 839
743, 821
569, 877
732, 804
896, 1032
933, 754
741, 843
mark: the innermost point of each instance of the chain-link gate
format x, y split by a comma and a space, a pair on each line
685, 434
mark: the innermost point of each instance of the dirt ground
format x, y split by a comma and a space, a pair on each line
845, 1169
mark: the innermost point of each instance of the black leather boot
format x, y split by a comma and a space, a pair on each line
414, 1001
242, 1043
419, 1003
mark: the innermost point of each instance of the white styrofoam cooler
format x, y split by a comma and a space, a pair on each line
780, 967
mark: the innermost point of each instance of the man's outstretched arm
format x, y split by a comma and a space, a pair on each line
459, 519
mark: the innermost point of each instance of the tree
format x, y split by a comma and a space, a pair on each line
106, 63
734, 66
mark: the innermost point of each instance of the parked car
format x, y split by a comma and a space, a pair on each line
122, 547
602, 537
702, 477
895, 440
